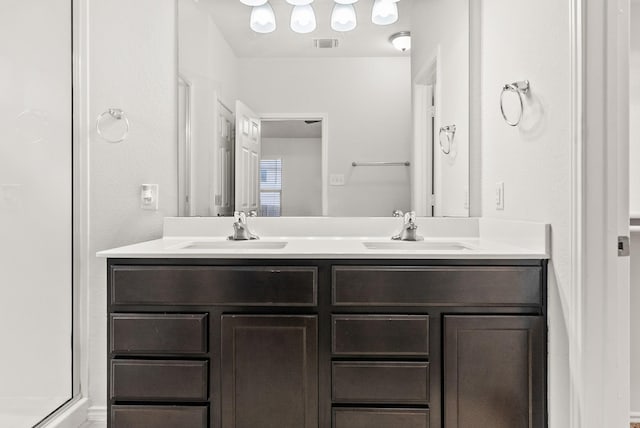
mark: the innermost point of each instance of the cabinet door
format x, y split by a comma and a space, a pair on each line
269, 371
494, 371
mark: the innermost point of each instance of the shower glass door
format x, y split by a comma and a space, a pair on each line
35, 210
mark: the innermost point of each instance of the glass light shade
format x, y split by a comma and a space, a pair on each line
401, 41
303, 19
347, 1
253, 2
343, 17
299, 2
384, 12
263, 20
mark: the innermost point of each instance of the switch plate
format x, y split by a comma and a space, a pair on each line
336, 179
149, 197
500, 196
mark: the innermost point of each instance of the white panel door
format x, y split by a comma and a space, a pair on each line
223, 168
247, 162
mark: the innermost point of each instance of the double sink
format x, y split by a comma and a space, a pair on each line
369, 245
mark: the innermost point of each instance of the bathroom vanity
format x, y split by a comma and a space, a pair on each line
407, 338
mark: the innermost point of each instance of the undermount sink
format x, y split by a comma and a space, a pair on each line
415, 245
233, 245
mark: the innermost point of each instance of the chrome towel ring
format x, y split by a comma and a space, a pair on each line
450, 132
520, 88
116, 114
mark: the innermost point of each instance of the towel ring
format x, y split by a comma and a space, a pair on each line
450, 132
520, 88
117, 114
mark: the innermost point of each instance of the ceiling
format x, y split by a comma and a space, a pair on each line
367, 40
290, 129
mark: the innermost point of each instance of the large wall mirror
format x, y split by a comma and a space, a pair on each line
325, 123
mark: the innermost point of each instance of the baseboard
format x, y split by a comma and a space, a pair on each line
71, 416
635, 417
97, 414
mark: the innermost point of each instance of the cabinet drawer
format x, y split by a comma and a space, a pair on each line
208, 285
380, 335
437, 286
380, 382
154, 380
380, 418
159, 416
158, 333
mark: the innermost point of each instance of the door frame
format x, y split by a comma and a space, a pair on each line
599, 324
324, 117
186, 194
423, 162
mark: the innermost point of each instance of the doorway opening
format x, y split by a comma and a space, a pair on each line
298, 145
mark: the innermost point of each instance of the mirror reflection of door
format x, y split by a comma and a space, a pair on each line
247, 158
222, 172
184, 147
291, 168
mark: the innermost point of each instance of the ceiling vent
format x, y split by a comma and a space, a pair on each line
325, 43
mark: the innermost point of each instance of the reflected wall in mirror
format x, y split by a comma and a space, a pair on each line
272, 123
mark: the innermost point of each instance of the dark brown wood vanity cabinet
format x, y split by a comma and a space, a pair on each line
326, 343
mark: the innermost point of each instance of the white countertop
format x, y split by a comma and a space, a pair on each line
344, 238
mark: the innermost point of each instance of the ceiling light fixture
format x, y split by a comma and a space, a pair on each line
401, 40
253, 2
384, 12
303, 19
343, 17
263, 20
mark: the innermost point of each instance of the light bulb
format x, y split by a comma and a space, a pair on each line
401, 41
343, 17
299, 2
347, 1
253, 2
263, 20
384, 12
303, 19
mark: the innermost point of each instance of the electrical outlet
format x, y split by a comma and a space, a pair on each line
336, 179
149, 197
500, 195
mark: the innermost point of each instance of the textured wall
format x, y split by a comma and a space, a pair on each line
534, 159
132, 66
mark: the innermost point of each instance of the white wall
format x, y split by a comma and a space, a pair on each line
534, 159
132, 66
444, 34
301, 173
368, 102
634, 113
35, 210
208, 63
634, 202
635, 324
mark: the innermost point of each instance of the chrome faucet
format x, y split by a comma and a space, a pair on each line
241, 230
409, 231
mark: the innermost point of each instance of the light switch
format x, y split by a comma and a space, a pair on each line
336, 179
500, 196
149, 197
